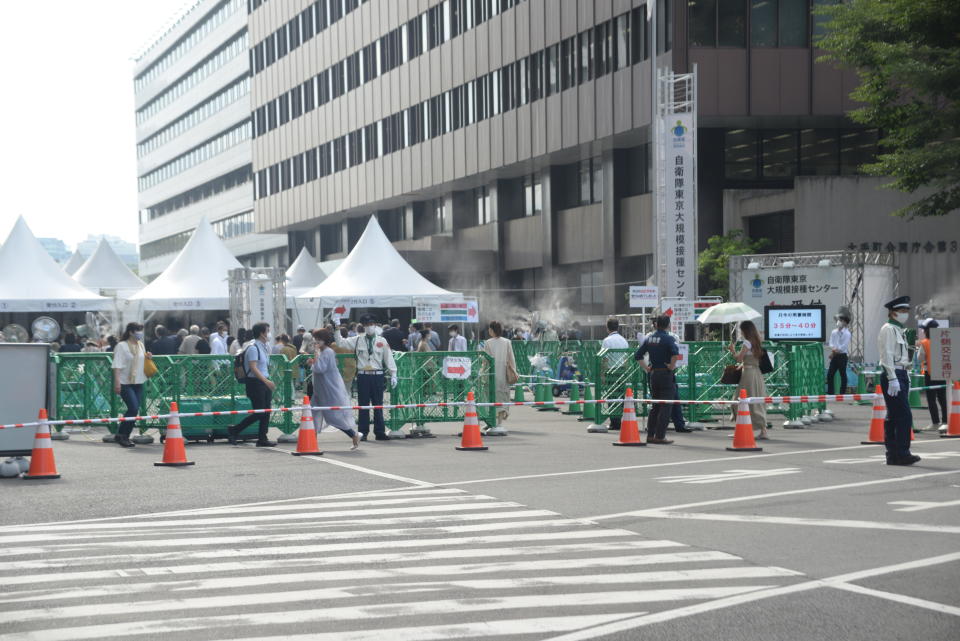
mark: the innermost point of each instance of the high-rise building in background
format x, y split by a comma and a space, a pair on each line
193, 138
126, 251
56, 248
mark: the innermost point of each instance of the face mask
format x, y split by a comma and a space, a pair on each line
840, 324
269, 337
902, 317
320, 344
138, 335
223, 333
371, 330
453, 334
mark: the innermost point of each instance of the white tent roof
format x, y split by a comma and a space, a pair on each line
304, 274
105, 270
31, 281
197, 277
76, 262
374, 274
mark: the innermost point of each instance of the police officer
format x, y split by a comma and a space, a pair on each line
894, 361
664, 353
374, 359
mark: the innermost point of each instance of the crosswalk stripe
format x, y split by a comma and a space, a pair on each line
365, 612
620, 547
319, 505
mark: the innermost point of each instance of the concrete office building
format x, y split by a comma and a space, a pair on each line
193, 138
504, 144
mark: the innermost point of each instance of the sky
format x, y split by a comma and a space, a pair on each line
68, 161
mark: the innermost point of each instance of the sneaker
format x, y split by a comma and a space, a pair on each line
659, 441
124, 441
231, 436
382, 437
943, 428
363, 437
932, 427
266, 443
356, 443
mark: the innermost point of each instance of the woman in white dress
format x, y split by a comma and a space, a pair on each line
751, 378
329, 389
501, 350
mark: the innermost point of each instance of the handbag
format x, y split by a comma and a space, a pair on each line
766, 365
149, 368
731, 375
511, 375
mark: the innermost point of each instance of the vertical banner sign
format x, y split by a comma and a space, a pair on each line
944, 360
261, 302
680, 217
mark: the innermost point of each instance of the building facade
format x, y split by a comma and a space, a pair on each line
192, 92
504, 145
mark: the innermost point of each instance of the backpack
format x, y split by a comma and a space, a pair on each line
240, 365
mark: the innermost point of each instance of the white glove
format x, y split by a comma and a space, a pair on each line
393, 381
893, 387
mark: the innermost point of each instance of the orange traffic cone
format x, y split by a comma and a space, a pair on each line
953, 427
743, 440
174, 452
471, 440
42, 465
876, 423
629, 428
307, 436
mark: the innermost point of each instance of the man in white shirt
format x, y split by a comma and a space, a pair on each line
613, 361
895, 383
839, 345
374, 359
218, 340
457, 343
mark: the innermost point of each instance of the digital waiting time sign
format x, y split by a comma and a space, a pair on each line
795, 323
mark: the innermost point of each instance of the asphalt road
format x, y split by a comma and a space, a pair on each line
551, 534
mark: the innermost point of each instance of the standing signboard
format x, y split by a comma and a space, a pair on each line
679, 310
945, 353
644, 296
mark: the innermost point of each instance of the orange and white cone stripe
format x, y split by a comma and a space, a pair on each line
307, 434
953, 426
471, 439
629, 427
876, 436
42, 464
743, 439
174, 450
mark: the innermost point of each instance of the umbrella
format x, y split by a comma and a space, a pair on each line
728, 313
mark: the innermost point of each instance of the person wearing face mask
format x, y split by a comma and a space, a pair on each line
128, 377
839, 345
374, 360
329, 388
218, 342
457, 343
895, 382
259, 387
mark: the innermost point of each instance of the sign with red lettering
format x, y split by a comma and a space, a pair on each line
944, 359
456, 367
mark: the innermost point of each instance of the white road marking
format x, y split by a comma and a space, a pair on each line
358, 468
359, 611
927, 456
899, 598
917, 506
798, 521
727, 475
738, 600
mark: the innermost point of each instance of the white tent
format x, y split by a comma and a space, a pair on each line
374, 274
76, 262
196, 279
105, 270
304, 274
31, 281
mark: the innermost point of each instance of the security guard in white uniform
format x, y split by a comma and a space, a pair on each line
374, 360
895, 383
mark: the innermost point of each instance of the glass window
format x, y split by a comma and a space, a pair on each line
819, 152
763, 23
638, 31
702, 16
535, 68
793, 23
596, 180
731, 23
585, 182
857, 148
740, 154
553, 69
568, 63
622, 51
819, 22
779, 149
585, 62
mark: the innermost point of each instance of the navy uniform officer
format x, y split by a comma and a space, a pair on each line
374, 359
664, 353
895, 383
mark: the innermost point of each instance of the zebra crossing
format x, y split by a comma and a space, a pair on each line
418, 563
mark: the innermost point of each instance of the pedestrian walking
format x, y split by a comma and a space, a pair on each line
329, 388
839, 345
374, 361
751, 378
259, 387
663, 353
895, 382
129, 357
457, 342
935, 397
504, 368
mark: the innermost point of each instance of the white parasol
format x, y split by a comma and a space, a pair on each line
732, 312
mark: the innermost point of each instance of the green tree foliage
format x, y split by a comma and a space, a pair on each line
714, 261
907, 54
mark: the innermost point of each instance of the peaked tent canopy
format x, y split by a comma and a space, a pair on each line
74, 263
360, 280
31, 281
105, 270
304, 274
196, 279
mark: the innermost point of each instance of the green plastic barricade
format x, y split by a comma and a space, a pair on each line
617, 370
442, 377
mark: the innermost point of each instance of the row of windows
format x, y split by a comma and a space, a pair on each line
751, 154
197, 155
532, 195
232, 227
191, 79
770, 23
593, 53
187, 42
591, 181
235, 91
389, 52
207, 190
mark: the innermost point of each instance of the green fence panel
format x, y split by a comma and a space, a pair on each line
421, 380
616, 371
84, 387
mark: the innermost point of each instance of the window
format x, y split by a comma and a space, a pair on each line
337, 80
298, 161
439, 210
638, 32
293, 27
535, 73
283, 108
325, 159
311, 165
371, 67
621, 52
731, 23
482, 205
286, 174
415, 31
857, 148
763, 23
310, 95
591, 291
435, 26
282, 42
568, 63
296, 102
415, 124
552, 58
532, 196
793, 23
340, 154
323, 87
819, 152
199, 154
702, 15
591, 181
740, 154
371, 141
355, 147
274, 179
779, 153
352, 64
775, 228
585, 67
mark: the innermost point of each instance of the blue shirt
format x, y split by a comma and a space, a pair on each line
257, 352
661, 347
